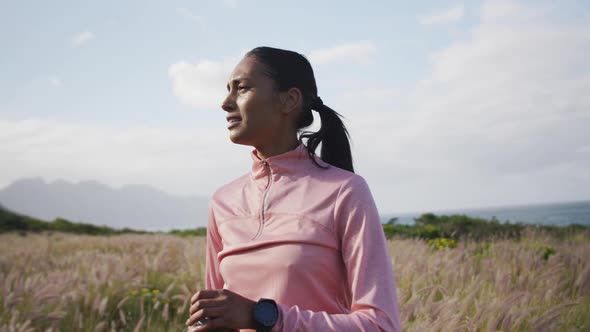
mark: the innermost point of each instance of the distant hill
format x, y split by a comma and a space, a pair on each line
137, 206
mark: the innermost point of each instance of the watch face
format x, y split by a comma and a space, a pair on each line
266, 313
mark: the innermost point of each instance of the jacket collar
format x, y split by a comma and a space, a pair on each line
288, 162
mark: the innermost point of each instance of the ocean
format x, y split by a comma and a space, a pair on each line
561, 214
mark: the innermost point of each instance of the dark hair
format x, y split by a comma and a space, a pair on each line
292, 70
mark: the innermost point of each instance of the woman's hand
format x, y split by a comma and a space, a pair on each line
223, 309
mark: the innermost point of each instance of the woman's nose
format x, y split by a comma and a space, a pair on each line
228, 104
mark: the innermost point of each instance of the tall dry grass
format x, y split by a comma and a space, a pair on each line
59, 282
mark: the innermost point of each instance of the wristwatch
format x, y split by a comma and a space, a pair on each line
266, 314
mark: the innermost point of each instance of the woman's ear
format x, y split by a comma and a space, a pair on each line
292, 100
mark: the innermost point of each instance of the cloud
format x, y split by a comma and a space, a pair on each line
202, 84
231, 3
449, 15
182, 161
188, 14
501, 117
359, 52
511, 11
82, 38
55, 82
51, 81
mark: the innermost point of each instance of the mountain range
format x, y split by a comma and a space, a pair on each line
138, 207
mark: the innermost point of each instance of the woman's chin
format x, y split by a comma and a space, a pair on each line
236, 138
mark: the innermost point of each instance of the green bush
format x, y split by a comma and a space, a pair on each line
13, 222
201, 231
544, 250
442, 243
409, 231
461, 227
10, 221
465, 227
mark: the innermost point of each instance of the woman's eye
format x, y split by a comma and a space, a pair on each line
242, 88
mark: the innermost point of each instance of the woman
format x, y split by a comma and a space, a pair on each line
296, 244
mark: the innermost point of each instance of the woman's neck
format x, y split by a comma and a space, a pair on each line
276, 148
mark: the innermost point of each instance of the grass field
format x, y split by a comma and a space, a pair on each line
64, 282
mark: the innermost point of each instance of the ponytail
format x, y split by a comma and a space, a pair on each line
333, 136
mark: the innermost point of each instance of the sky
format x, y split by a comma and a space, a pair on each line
449, 104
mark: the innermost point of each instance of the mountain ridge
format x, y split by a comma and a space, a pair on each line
89, 201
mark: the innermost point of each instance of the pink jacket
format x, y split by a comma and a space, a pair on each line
309, 238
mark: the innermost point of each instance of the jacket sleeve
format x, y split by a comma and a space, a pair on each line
370, 278
213, 278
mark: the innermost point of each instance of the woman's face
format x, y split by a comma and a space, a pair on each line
252, 105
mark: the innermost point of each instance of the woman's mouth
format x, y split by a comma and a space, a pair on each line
233, 121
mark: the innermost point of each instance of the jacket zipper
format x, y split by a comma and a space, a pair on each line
261, 226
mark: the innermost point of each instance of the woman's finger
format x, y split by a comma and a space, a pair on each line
204, 294
206, 315
214, 324
204, 303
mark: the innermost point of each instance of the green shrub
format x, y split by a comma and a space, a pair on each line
11, 222
482, 249
544, 250
442, 243
462, 227
201, 231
